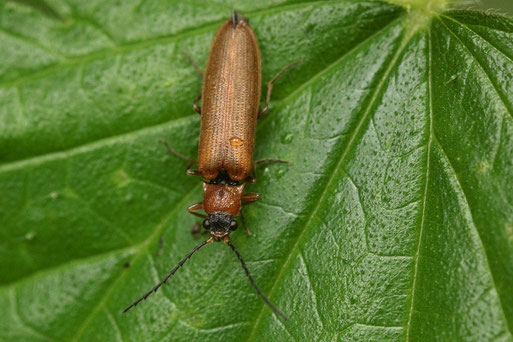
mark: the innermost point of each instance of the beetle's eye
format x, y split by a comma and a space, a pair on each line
233, 225
206, 224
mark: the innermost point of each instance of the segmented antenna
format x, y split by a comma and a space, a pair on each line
267, 301
156, 287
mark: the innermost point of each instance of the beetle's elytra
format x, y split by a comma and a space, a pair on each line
230, 101
230, 109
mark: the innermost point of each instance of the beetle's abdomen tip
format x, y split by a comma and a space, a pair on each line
237, 18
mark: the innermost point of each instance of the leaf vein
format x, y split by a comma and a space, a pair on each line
32, 42
461, 190
312, 290
92, 145
14, 310
508, 106
111, 318
87, 206
143, 43
477, 34
142, 248
424, 199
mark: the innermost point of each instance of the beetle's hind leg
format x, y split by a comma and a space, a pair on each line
189, 161
271, 83
196, 108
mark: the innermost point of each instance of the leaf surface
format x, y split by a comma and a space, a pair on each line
394, 221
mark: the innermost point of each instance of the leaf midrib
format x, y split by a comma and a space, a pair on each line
423, 215
356, 133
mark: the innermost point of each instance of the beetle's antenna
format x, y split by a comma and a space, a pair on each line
267, 301
237, 18
156, 287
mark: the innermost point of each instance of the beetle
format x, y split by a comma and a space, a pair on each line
229, 112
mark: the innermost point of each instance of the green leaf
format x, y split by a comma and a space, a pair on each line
394, 221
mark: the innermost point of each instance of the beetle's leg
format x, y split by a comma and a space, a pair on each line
196, 228
249, 198
196, 67
189, 161
252, 178
197, 108
271, 83
195, 207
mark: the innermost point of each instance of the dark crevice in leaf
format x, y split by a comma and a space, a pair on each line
479, 18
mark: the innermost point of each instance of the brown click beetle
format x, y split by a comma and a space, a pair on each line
230, 109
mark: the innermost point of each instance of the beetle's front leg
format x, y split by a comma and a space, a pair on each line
195, 207
196, 228
249, 198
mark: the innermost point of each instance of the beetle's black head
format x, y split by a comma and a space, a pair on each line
220, 225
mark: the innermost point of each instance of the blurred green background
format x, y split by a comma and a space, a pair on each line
504, 6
